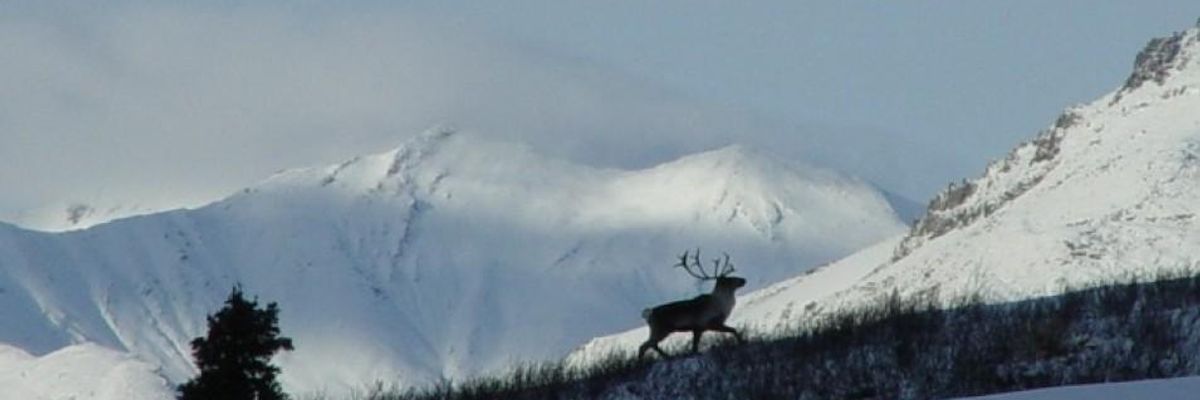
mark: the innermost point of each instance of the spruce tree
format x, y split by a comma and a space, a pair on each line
234, 358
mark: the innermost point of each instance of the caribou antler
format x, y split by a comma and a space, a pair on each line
693, 268
721, 266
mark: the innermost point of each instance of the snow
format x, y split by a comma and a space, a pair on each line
445, 257
1116, 200
80, 372
1108, 193
1163, 389
75, 215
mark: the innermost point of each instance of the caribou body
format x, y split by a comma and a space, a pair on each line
706, 312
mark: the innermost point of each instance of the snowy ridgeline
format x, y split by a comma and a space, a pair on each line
62, 217
445, 257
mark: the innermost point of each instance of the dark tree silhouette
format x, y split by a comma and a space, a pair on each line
234, 359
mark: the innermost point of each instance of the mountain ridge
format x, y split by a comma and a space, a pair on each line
436, 259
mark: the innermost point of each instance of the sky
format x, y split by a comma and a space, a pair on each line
180, 103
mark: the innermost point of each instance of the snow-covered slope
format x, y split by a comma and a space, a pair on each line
447, 256
1110, 191
80, 372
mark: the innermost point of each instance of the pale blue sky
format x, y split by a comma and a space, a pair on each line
150, 100
971, 77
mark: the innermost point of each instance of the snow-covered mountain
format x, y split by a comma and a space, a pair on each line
1110, 191
447, 256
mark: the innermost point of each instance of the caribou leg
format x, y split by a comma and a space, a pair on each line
728, 329
652, 343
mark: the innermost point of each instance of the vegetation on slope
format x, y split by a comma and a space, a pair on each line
899, 349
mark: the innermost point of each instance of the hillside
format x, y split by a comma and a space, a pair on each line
897, 348
1108, 191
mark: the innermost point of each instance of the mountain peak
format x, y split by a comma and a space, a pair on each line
1164, 82
367, 172
417, 148
732, 153
1163, 58
1099, 193
744, 162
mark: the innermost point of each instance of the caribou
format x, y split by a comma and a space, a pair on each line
706, 312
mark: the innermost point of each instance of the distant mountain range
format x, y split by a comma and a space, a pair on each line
445, 257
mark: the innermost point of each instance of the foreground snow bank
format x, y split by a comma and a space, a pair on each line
1161, 389
78, 372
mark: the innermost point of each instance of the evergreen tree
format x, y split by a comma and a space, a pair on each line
234, 359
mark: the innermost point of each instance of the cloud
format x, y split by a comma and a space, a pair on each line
185, 103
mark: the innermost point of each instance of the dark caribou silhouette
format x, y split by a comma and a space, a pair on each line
706, 312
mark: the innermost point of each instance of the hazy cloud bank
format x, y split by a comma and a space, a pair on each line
187, 103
